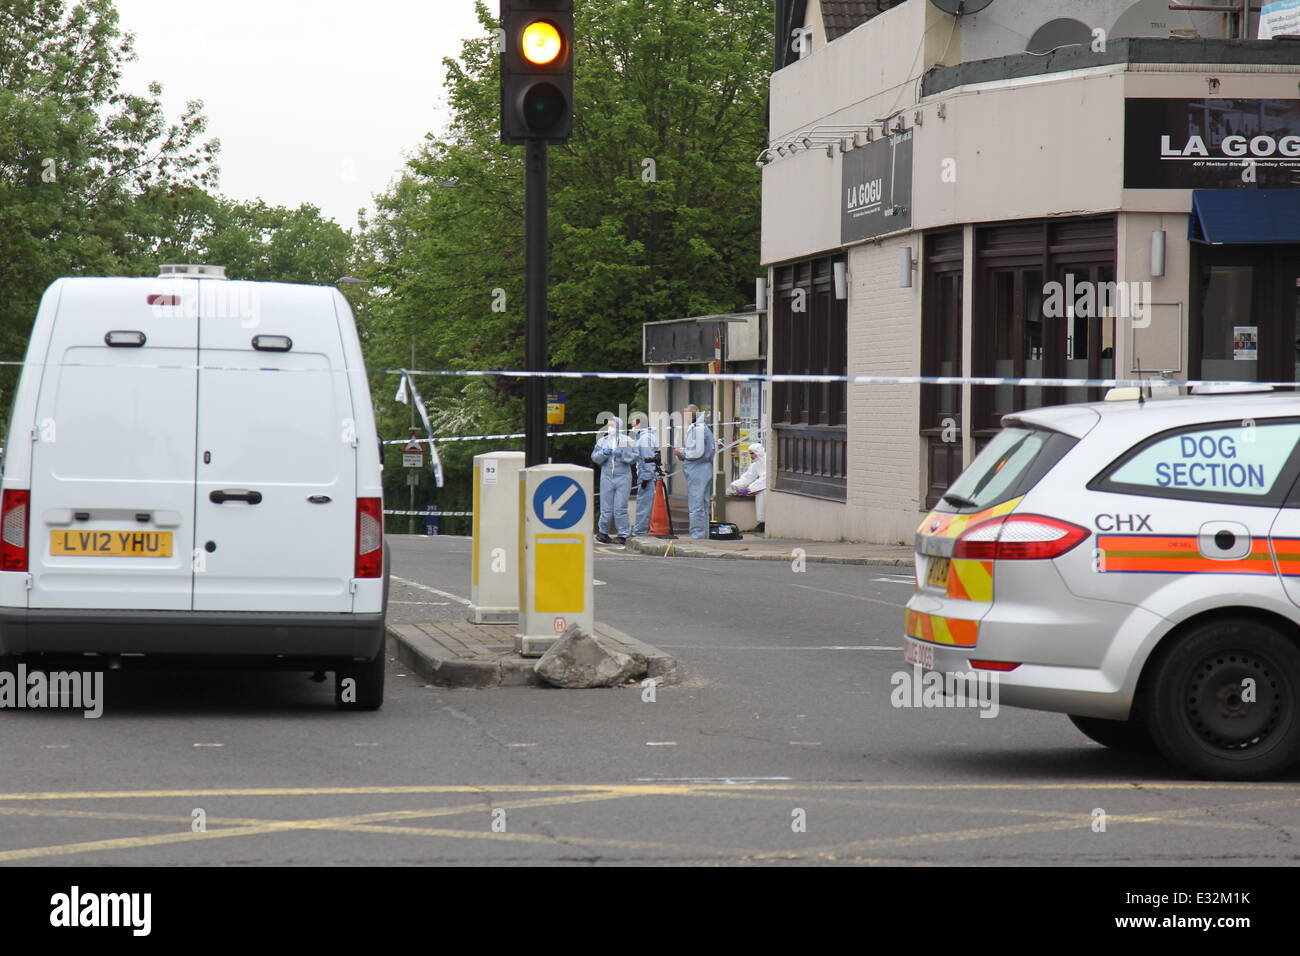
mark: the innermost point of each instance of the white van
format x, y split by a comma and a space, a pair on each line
192, 473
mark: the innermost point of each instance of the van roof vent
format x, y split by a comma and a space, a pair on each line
193, 271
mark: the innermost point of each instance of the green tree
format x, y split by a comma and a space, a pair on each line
93, 180
654, 212
273, 243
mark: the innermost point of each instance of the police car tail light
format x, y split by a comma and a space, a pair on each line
13, 530
1018, 538
370, 538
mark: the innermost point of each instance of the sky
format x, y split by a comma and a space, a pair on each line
314, 101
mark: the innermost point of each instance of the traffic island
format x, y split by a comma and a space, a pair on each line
461, 654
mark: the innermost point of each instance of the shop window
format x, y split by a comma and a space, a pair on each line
809, 337
941, 348
1045, 307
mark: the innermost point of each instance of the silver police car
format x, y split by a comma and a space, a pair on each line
1136, 565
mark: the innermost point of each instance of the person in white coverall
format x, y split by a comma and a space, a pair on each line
754, 482
614, 453
646, 446
696, 455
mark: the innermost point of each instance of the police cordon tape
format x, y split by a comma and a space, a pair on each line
432, 514
742, 377
594, 431
794, 378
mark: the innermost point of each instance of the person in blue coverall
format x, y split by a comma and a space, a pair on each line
696, 455
646, 447
615, 454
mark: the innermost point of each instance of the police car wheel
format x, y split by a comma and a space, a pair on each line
1223, 701
1124, 736
367, 690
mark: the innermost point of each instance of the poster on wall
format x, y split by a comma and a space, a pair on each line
1245, 343
1211, 143
1279, 18
876, 193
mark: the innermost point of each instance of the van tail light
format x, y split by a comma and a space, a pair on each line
370, 538
1018, 537
13, 536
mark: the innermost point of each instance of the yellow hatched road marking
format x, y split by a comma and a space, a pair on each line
384, 821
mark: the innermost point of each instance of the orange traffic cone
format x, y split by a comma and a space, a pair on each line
661, 522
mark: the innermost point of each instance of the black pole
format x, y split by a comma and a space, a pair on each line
537, 266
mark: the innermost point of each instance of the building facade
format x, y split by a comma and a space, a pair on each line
1042, 188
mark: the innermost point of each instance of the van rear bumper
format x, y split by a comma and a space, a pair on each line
187, 634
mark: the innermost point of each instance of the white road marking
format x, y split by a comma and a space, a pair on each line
425, 587
661, 743
365, 745
597, 582
856, 597
521, 745
805, 743
209, 745
56, 746
896, 580
424, 603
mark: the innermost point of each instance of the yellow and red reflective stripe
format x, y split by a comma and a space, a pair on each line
951, 525
970, 580
1286, 552
942, 630
1176, 554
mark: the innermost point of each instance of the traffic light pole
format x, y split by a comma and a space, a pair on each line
537, 266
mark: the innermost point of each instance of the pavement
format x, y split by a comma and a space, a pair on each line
759, 548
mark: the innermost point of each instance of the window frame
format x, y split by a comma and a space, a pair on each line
1279, 496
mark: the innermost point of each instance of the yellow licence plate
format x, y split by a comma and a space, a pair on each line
112, 544
936, 576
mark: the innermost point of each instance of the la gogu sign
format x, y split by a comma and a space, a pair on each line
1211, 144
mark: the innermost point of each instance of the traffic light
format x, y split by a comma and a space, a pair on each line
536, 71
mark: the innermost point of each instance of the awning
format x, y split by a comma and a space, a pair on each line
1226, 216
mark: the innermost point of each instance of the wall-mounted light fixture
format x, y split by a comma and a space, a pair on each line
841, 270
905, 266
1157, 253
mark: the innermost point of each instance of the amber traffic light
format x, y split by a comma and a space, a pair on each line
536, 70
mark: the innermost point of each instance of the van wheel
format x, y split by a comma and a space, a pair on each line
367, 689
1124, 736
1223, 701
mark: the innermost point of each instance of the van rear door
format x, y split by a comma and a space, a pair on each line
275, 495
112, 487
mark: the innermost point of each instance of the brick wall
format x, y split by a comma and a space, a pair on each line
884, 499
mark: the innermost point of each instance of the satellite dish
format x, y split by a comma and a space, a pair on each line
1058, 33
959, 7
1151, 18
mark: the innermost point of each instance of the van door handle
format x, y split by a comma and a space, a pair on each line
252, 497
